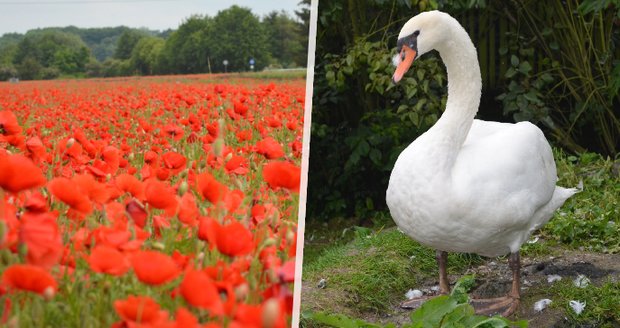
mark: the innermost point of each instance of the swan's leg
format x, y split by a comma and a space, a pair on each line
442, 262
508, 304
444, 285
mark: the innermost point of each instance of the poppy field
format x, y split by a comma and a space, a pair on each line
151, 202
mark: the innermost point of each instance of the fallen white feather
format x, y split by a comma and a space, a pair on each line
581, 281
577, 306
553, 277
533, 240
435, 288
542, 304
322, 283
413, 293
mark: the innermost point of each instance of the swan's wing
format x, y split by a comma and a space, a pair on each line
483, 129
504, 173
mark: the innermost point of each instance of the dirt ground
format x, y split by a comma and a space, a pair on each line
493, 279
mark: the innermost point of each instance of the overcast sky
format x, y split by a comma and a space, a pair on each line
21, 16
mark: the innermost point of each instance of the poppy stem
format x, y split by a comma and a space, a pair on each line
2, 205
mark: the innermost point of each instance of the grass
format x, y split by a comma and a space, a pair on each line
590, 219
373, 266
376, 266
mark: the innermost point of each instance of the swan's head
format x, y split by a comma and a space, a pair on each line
421, 34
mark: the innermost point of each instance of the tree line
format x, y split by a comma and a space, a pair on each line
201, 44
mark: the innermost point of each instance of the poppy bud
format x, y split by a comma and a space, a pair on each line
218, 147
48, 293
22, 250
2, 234
70, 142
159, 245
289, 236
13, 322
131, 157
222, 126
269, 242
182, 188
241, 292
271, 311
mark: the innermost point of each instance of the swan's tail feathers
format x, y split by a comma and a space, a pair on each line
545, 213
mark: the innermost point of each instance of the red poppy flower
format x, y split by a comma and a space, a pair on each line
282, 174
129, 183
36, 148
111, 156
269, 148
200, 291
9, 124
40, 233
106, 259
159, 195
36, 203
233, 239
136, 212
210, 188
237, 164
154, 268
188, 210
18, 173
287, 271
31, 278
139, 309
184, 318
68, 192
174, 161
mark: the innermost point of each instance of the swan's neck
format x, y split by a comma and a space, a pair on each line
464, 87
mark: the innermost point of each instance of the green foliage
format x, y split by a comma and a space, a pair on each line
283, 40
126, 43
579, 40
49, 53
237, 35
591, 218
186, 50
145, 56
362, 121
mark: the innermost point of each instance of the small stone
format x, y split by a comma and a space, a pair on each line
553, 277
322, 284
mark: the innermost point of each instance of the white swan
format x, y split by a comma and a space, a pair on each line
468, 185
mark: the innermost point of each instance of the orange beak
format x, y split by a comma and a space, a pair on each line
408, 56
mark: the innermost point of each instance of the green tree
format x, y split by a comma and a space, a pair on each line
186, 50
63, 53
127, 42
145, 55
285, 39
237, 35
